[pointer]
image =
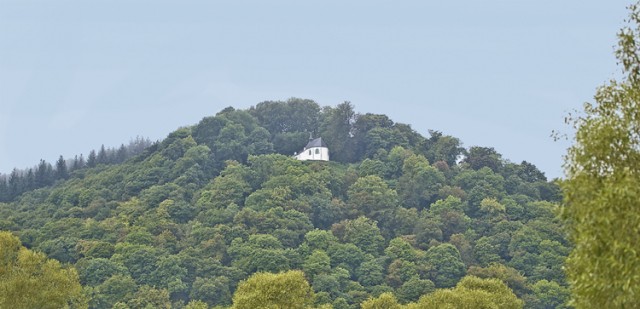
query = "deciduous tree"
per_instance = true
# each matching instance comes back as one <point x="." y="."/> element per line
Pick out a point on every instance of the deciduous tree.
<point x="602" y="190"/>
<point x="29" y="280"/>
<point x="265" y="290"/>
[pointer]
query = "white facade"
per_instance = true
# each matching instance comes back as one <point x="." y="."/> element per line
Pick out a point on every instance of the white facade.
<point x="314" y="153"/>
<point x="315" y="150"/>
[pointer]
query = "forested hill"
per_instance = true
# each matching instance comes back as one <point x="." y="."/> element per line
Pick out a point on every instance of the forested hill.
<point x="393" y="215"/>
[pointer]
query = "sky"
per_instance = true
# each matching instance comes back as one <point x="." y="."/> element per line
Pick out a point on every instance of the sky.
<point x="496" y="73"/>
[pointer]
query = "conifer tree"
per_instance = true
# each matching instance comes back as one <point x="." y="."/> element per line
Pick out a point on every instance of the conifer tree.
<point x="92" y="161"/>
<point x="61" y="168"/>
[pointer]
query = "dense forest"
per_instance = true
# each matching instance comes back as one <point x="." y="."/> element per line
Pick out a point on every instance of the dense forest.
<point x="220" y="210"/>
<point x="44" y="174"/>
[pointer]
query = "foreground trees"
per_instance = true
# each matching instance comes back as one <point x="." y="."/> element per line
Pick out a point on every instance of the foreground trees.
<point x="602" y="192"/>
<point x="30" y="280"/>
<point x="472" y="292"/>
<point x="264" y="290"/>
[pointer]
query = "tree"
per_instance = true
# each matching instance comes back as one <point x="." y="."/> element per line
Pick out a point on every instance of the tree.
<point x="44" y="174"/>
<point x="92" y="161"/>
<point x="94" y="271"/>
<point x="118" y="288"/>
<point x="213" y="291"/>
<point x="337" y="129"/>
<point x="371" y="196"/>
<point x="549" y="294"/>
<point x="447" y="265"/>
<point x="602" y="189"/>
<point x="121" y="154"/>
<point x="196" y="304"/>
<point x="443" y="147"/>
<point x="291" y="116"/>
<point x="384" y="301"/>
<point x="317" y="263"/>
<point x="102" y="156"/>
<point x="419" y="182"/>
<point x="29" y="280"/>
<point x="472" y="292"/>
<point x="265" y="290"/>
<point x="365" y="234"/>
<point x="61" y="169"/>
<point x="370" y="273"/>
<point x="150" y="297"/>
<point x="480" y="157"/>
<point x="413" y="288"/>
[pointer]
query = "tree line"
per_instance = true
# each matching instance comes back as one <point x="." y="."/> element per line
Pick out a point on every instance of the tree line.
<point x="45" y="174"/>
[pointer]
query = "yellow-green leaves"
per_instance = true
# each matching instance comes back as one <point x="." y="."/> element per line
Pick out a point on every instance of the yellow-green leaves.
<point x="602" y="192"/>
<point x="471" y="292"/>
<point x="265" y="290"/>
<point x="29" y="280"/>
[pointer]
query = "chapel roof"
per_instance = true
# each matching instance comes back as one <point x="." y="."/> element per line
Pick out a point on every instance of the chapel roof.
<point x="318" y="142"/>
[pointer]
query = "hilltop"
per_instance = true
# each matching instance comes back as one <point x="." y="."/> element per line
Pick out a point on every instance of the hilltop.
<point x="393" y="211"/>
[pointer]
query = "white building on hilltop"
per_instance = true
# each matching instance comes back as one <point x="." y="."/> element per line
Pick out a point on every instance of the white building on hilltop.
<point x="315" y="150"/>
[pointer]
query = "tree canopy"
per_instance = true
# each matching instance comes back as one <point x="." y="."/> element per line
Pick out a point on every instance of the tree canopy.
<point x="602" y="190"/>
<point x="30" y="280"/>
<point x="220" y="214"/>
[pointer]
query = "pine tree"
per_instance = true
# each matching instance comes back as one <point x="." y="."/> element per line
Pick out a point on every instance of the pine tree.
<point x="44" y="174"/>
<point x="102" y="156"/>
<point x="4" y="189"/>
<point x="81" y="162"/>
<point x="121" y="154"/>
<point x="61" y="169"/>
<point x="15" y="184"/>
<point x="92" y="161"/>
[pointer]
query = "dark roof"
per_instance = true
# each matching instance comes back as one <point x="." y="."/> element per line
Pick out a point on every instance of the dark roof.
<point x="318" y="142"/>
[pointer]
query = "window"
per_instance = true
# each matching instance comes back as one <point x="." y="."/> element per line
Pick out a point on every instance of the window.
<point x="317" y="151"/>
<point x="309" y="151"/>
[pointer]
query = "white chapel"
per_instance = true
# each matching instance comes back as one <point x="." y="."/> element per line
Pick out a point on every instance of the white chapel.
<point x="315" y="150"/>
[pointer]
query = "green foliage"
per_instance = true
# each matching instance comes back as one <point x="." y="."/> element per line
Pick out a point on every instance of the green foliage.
<point x="370" y="196"/>
<point x="384" y="301"/>
<point x="550" y="294"/>
<point x="264" y="290"/>
<point x="510" y="276"/>
<point x="365" y="234"/>
<point x="472" y="292"/>
<point x="447" y="266"/>
<point x="413" y="288"/>
<point x="479" y="157"/>
<point x="29" y="280"/>
<point x="196" y="304"/>
<point x="419" y="183"/>
<point x="602" y="190"/>
<point x="186" y="221"/>
<point x="149" y="297"/>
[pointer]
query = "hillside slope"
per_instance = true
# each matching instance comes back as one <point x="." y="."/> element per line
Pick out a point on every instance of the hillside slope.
<point x="213" y="203"/>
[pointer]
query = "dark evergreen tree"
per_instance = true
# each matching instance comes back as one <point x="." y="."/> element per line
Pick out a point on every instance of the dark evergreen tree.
<point x="92" y="161"/>
<point x="29" y="180"/>
<point x="121" y="154"/>
<point x="61" y="169"/>
<point x="102" y="156"/>
<point x="4" y="189"/>
<point x="15" y="184"/>
<point x="75" y="164"/>
<point x="44" y="174"/>
<point x="81" y="162"/>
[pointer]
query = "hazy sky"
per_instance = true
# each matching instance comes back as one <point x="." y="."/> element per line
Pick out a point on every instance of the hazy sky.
<point x="78" y="74"/>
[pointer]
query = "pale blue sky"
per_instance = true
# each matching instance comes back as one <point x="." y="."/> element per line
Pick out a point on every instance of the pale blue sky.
<point x="78" y="74"/>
